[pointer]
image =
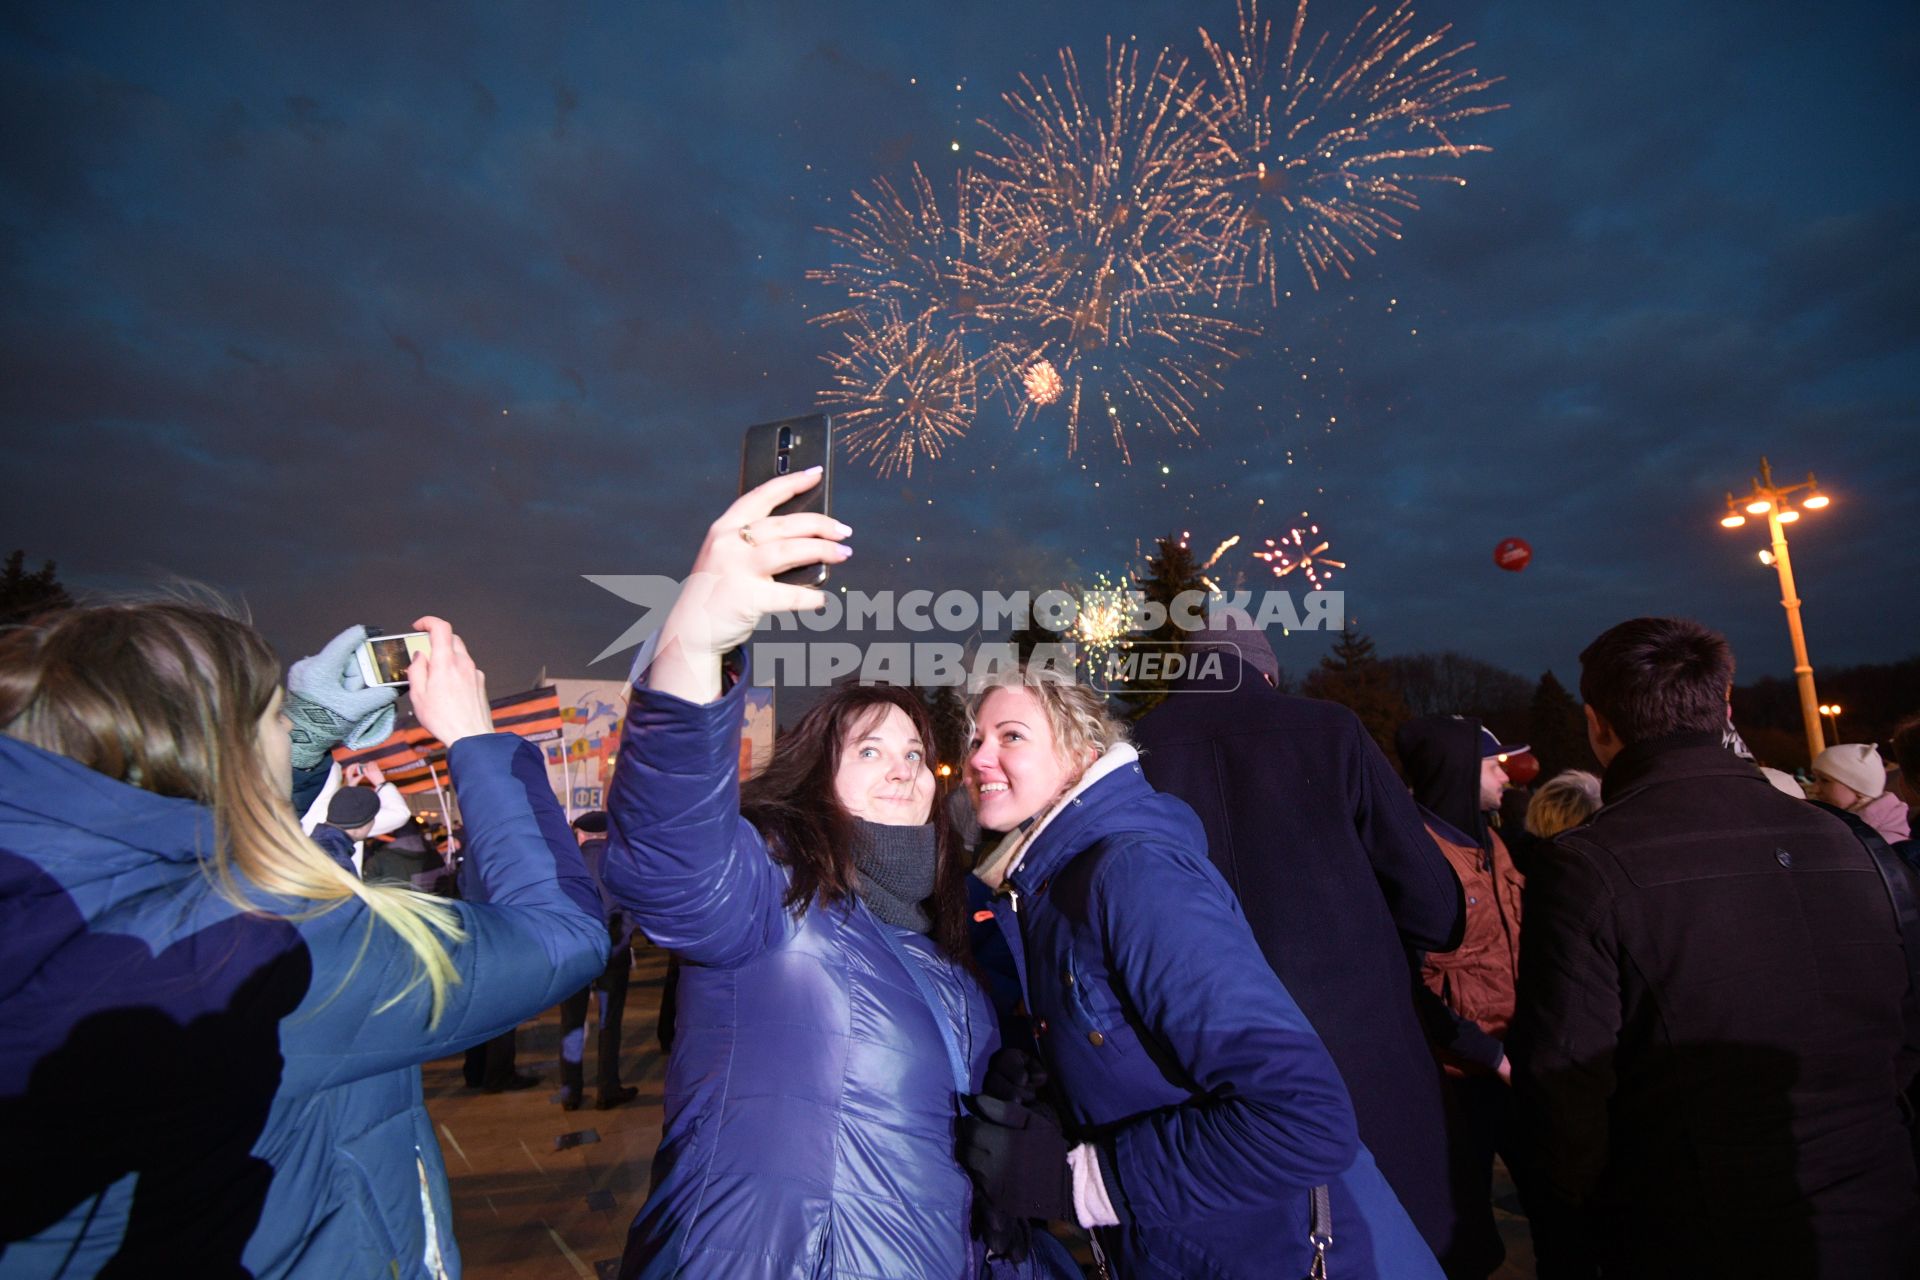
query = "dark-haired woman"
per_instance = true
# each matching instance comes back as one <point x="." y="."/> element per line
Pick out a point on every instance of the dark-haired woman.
<point x="828" y="1021"/>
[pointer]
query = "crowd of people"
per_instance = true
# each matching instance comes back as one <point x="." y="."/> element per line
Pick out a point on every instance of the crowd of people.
<point x="1218" y="993"/>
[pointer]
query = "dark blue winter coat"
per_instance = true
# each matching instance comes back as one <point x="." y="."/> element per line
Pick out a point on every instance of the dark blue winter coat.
<point x="1214" y="1107"/>
<point x="810" y="1101"/>
<point x="190" y="1090"/>
<point x="1339" y="880"/>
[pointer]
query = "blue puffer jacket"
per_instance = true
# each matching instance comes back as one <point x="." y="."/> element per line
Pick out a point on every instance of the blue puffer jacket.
<point x="187" y="1089"/>
<point x="1213" y="1106"/>
<point x="809" y="1101"/>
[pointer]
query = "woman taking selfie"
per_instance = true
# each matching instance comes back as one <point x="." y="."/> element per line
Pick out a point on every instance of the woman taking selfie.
<point x="210" y="1033"/>
<point x="1207" y="1130"/>
<point x="828" y="1021"/>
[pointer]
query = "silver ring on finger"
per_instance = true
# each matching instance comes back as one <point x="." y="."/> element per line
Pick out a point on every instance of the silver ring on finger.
<point x="746" y="535"/>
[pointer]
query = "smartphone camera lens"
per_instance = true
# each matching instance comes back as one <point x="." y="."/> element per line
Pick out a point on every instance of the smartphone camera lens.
<point x="786" y="439"/>
<point x="780" y="465"/>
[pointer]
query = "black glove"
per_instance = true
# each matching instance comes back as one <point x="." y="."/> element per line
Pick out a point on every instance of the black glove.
<point x="1004" y="1235"/>
<point x="1014" y="1075"/>
<point x="1017" y="1157"/>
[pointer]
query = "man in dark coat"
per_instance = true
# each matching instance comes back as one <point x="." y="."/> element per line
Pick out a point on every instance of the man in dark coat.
<point x="1338" y="877"/>
<point x="1715" y="1019"/>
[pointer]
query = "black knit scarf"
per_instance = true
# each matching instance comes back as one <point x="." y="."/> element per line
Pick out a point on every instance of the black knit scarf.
<point x="896" y="866"/>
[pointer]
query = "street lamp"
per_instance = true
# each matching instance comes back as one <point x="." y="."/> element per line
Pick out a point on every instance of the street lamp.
<point x="1831" y="710"/>
<point x="1776" y="503"/>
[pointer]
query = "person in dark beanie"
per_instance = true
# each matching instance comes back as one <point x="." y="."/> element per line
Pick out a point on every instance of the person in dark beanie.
<point x="590" y="829"/>
<point x="1715" y="1020"/>
<point x="350" y="816"/>
<point x="1323" y="847"/>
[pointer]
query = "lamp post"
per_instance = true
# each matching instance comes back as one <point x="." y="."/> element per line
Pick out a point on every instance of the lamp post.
<point x="1775" y="502"/>
<point x="1831" y="710"/>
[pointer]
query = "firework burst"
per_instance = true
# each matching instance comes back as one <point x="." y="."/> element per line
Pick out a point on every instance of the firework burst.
<point x="1101" y="218"/>
<point x="1326" y="142"/>
<point x="906" y="251"/>
<point x="901" y="388"/>
<point x="1103" y="620"/>
<point x="1303" y="551"/>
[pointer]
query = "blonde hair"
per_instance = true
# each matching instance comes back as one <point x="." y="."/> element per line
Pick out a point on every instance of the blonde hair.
<point x="168" y="696"/>
<point x="1077" y="716"/>
<point x="1563" y="802"/>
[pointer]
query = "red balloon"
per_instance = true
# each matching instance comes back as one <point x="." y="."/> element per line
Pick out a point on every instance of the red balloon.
<point x="1522" y="768"/>
<point x="1513" y="554"/>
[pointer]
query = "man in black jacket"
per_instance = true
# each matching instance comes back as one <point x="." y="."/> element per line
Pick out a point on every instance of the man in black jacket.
<point x="1338" y="877"/>
<point x="1714" y="1005"/>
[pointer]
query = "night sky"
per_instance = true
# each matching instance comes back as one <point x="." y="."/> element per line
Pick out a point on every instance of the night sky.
<point x="358" y="311"/>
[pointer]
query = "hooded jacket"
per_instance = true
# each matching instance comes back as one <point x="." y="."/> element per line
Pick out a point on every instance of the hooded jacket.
<point x="1476" y="980"/>
<point x="1212" y="1105"/>
<point x="189" y="1089"/>
<point x="810" y="1101"/>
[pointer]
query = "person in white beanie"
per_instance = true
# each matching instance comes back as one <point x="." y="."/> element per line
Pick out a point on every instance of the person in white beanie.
<point x="1851" y="776"/>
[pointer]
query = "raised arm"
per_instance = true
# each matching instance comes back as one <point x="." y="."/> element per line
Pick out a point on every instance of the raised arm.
<point x="693" y="876"/>
<point x="1275" y="1116"/>
<point x="535" y="936"/>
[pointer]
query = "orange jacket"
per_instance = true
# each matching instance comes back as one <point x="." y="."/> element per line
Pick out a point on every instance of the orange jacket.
<point x="1477" y="980"/>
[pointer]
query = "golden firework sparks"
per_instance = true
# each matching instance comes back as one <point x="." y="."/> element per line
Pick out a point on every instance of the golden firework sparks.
<point x="1042" y="382"/>
<point x="901" y="388"/>
<point x="1104" y="619"/>
<point x="1319" y="144"/>
<point x="1115" y="241"/>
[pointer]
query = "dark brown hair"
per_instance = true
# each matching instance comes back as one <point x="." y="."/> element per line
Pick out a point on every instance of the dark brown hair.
<point x="794" y="805"/>
<point x="1654" y="677"/>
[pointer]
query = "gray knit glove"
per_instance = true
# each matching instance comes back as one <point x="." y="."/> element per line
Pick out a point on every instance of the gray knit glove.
<point x="330" y="703"/>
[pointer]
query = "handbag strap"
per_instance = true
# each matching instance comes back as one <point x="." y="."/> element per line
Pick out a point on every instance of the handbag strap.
<point x="1320" y="1230"/>
<point x="941" y="1018"/>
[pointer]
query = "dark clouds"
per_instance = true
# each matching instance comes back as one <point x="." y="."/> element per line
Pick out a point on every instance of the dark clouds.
<point x="386" y="309"/>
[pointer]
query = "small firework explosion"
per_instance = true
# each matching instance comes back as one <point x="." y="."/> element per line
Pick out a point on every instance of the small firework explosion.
<point x="1105" y="617"/>
<point x="1304" y="550"/>
<point x="1319" y="144"/>
<point x="1042" y="382"/>
<point x="900" y="388"/>
<point x="1205" y="568"/>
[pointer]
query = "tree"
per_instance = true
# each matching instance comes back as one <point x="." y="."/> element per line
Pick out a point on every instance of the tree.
<point x="1441" y="684"/>
<point x="947" y="708"/>
<point x="1557" y="730"/>
<point x="23" y="594"/>
<point x="1171" y="570"/>
<point x="1352" y="675"/>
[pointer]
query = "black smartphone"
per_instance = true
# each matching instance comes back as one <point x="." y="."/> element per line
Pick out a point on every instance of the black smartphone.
<point x="781" y="448"/>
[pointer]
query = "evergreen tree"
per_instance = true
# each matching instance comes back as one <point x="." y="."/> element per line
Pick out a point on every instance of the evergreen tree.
<point x="1354" y="676"/>
<point x="1171" y="570"/>
<point x="23" y="594"/>
<point x="947" y="708"/>
<point x="1557" y="730"/>
<point x="1035" y="633"/>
